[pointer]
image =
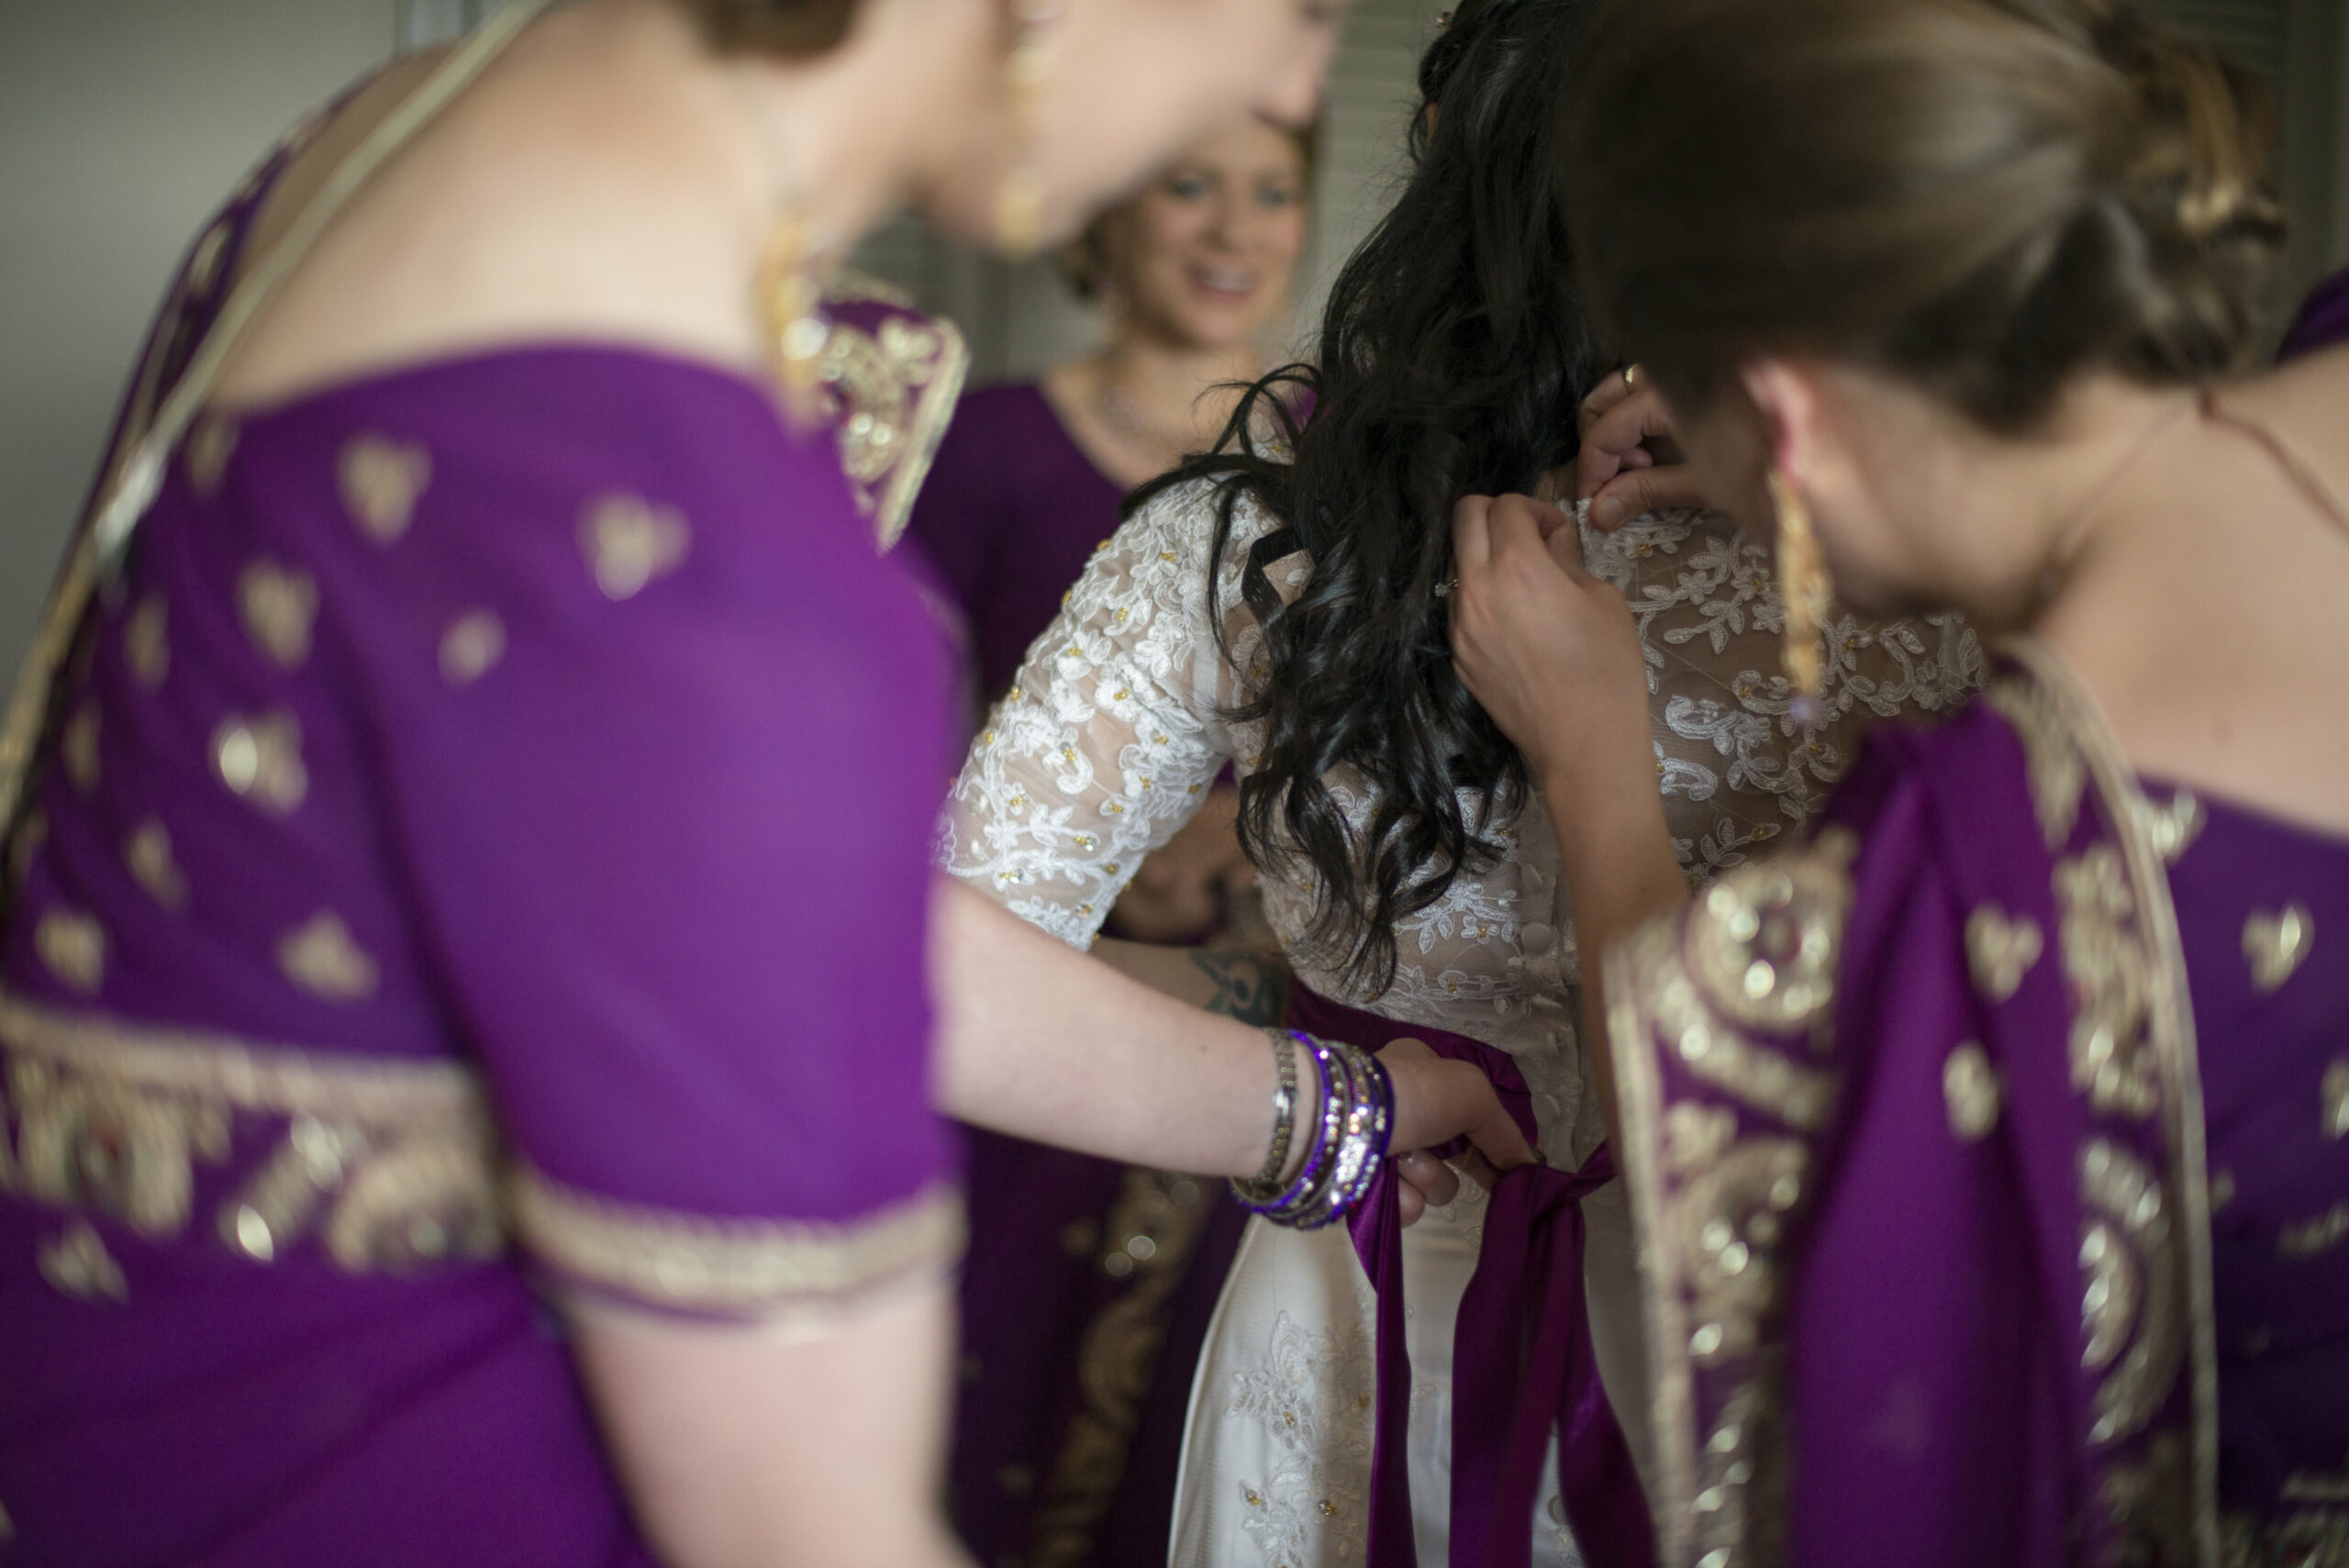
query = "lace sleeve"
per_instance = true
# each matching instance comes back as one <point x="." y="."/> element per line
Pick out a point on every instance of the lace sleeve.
<point x="1112" y="731"/>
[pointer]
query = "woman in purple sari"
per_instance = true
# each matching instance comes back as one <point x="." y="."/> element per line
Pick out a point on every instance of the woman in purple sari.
<point x="1990" y="1154"/>
<point x="1065" y="1336"/>
<point x="469" y="1060"/>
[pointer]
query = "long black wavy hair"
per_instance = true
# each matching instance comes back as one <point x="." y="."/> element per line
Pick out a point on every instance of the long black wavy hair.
<point x="1453" y="356"/>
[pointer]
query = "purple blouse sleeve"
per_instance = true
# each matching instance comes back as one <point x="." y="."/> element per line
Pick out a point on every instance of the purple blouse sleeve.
<point x="664" y="752"/>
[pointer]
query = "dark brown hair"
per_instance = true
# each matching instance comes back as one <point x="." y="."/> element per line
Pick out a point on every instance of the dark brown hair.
<point x="1986" y="197"/>
<point x="1451" y="355"/>
<point x="793" y="28"/>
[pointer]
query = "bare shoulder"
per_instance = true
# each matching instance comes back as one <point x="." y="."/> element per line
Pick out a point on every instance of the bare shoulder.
<point x="2307" y="403"/>
<point x="567" y="194"/>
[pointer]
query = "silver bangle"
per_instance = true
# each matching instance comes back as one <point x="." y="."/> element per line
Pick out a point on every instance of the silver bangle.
<point x="1284" y="1111"/>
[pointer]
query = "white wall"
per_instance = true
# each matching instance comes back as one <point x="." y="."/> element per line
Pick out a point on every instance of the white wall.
<point x="122" y="124"/>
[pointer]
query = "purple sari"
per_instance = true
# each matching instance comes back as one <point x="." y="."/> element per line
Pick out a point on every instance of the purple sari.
<point x="1960" y="1252"/>
<point x="1523" y="1366"/>
<point x="430" y="902"/>
<point x="2324" y="319"/>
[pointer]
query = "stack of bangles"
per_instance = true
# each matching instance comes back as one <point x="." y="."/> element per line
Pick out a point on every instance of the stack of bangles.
<point x="1349" y="1130"/>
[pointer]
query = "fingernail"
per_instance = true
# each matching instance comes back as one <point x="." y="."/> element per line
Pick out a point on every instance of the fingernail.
<point x="1608" y="511"/>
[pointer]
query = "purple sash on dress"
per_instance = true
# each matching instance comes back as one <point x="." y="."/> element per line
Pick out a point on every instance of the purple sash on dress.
<point x="1523" y="1360"/>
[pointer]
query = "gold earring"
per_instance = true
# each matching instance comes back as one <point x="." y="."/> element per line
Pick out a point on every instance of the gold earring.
<point x="1804" y="584"/>
<point x="1019" y="199"/>
<point x="793" y="302"/>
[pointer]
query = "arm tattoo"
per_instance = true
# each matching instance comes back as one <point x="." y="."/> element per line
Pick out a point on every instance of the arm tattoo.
<point x="1248" y="986"/>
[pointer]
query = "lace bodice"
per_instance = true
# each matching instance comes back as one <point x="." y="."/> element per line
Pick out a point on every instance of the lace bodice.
<point x="1115" y="729"/>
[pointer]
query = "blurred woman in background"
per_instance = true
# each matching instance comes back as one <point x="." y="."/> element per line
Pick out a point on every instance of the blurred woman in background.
<point x="1194" y="274"/>
<point x="422" y="893"/>
<point x="1990" y="1151"/>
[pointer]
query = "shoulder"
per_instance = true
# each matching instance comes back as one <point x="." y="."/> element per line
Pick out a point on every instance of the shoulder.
<point x="1185" y="519"/>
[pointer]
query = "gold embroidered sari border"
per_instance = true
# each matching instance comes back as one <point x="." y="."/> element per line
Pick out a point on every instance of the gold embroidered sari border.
<point x="2177" y="1053"/>
<point x="271" y="1078"/>
<point x="1631" y="1030"/>
<point x="736" y="1268"/>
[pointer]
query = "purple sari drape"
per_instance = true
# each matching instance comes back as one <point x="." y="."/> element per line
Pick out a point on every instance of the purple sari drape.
<point x="444" y="890"/>
<point x="1522" y="1361"/>
<point x="1916" y="1130"/>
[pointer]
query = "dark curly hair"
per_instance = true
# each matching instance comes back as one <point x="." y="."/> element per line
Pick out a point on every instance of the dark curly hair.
<point x="1451" y="358"/>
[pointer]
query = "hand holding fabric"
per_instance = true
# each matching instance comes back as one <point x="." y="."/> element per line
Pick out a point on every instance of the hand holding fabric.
<point x="1550" y="650"/>
<point x="1629" y="465"/>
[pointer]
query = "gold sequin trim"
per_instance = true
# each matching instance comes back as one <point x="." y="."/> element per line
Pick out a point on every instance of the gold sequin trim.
<point x="2310" y="1237"/>
<point x="146" y="641"/>
<point x="2001" y="949"/>
<point x="2172" y="829"/>
<point x="279" y="604"/>
<point x="2114" y="1061"/>
<point x="260" y="760"/>
<point x="324" y="959"/>
<point x="740" y="1268"/>
<point x="392" y="1165"/>
<point x="382" y="480"/>
<point x="2303" y="1538"/>
<point x="210" y="445"/>
<point x="1762" y="942"/>
<point x="79" y="748"/>
<point x="1970" y="1086"/>
<point x="893" y="391"/>
<point x="2274" y="943"/>
<point x="73" y="946"/>
<point x="2058" y="772"/>
<point x="472" y="647"/>
<point x="148" y="855"/>
<point x="2134" y="1297"/>
<point x="77" y="1263"/>
<point x="628" y="543"/>
<point x="1713" y="1196"/>
<point x="203" y="264"/>
<point x="1152" y="1231"/>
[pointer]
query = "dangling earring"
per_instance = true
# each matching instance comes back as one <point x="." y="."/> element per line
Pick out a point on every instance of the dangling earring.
<point x="792" y="301"/>
<point x="1804" y="584"/>
<point x="1019" y="200"/>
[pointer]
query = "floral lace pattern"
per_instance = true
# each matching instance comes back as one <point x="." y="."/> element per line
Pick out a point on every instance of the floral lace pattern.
<point x="1312" y="1394"/>
<point x="1735" y="768"/>
<point x="1115" y="728"/>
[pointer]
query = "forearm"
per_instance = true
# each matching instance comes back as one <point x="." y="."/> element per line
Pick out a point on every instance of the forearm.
<point x="1615" y="853"/>
<point x="1037" y="1040"/>
<point x="1233" y="982"/>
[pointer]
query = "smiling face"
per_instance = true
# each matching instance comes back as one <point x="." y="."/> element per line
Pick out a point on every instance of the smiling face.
<point x="1125" y="83"/>
<point x="1203" y="256"/>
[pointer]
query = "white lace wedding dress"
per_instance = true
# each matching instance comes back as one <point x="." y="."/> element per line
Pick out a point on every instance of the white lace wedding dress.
<point x="1105" y="746"/>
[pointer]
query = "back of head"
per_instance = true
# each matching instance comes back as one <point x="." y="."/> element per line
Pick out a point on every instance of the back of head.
<point x="1986" y="197"/>
<point x="1452" y="357"/>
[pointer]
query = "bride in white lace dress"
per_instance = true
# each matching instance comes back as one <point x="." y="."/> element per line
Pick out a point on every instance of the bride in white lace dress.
<point x="1157" y="673"/>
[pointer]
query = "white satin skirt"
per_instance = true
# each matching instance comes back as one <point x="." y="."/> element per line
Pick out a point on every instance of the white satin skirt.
<point x="1275" y="1465"/>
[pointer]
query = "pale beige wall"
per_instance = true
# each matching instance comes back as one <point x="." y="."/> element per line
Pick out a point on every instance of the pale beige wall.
<point x="122" y="123"/>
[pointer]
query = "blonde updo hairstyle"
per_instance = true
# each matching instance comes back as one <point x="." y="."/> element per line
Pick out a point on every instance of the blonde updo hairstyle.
<point x="1986" y="197"/>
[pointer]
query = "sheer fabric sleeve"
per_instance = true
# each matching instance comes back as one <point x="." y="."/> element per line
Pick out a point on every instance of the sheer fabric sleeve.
<point x="662" y="752"/>
<point x="1113" y="730"/>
